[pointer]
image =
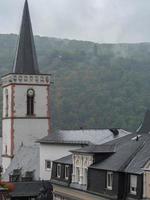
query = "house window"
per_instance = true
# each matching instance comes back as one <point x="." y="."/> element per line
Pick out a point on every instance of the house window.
<point x="109" y="180"/>
<point x="133" y="184"/>
<point x="48" y="164"/>
<point x="30" y="102"/>
<point x="77" y="174"/>
<point x="85" y="176"/>
<point x="66" y="172"/>
<point x="58" y="170"/>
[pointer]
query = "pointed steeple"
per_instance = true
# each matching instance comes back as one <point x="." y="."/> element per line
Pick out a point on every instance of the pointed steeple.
<point x="26" y="59"/>
<point x="145" y="126"/>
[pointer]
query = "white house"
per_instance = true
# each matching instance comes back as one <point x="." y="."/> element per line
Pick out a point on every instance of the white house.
<point x="59" y="144"/>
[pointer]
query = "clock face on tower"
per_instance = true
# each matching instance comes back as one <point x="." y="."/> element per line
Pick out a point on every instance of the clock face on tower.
<point x="30" y="92"/>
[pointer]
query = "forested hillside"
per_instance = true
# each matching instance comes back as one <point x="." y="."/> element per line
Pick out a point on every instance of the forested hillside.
<point x="95" y="85"/>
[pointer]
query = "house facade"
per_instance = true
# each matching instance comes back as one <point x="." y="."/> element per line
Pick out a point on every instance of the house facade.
<point x="118" y="169"/>
<point x="59" y="144"/>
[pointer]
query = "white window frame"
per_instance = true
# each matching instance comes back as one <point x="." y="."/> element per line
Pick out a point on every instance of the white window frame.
<point x="85" y="177"/>
<point x="109" y="180"/>
<point x="133" y="184"/>
<point x="66" y="173"/>
<point x="58" y="166"/>
<point x="48" y="168"/>
<point x="77" y="174"/>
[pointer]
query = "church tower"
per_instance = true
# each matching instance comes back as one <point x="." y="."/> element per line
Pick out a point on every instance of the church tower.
<point x="26" y="97"/>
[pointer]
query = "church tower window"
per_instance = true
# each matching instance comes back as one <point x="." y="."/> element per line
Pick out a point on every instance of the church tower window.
<point x="6" y="108"/>
<point x="30" y="102"/>
<point x="6" y="149"/>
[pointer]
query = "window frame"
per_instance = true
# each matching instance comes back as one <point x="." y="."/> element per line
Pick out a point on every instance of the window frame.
<point x="57" y="174"/>
<point x="134" y="192"/>
<point x="67" y="173"/>
<point x="48" y="168"/>
<point x="77" y="174"/>
<point x="109" y="180"/>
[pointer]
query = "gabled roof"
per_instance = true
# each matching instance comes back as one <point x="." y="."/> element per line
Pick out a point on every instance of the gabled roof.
<point x="26" y="59"/>
<point x="26" y="159"/>
<point x="145" y="126"/>
<point x="131" y="155"/>
<point x="65" y="160"/>
<point x="139" y="161"/>
<point x="79" y="137"/>
<point x="96" y="149"/>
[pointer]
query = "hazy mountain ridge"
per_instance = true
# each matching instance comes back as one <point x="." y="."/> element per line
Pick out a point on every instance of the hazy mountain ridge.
<point x="96" y="85"/>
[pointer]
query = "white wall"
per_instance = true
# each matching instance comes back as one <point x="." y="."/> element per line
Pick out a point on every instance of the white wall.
<point x="6" y="129"/>
<point x="28" y="131"/>
<point x="53" y="152"/>
<point x="25" y="129"/>
<point x="6" y="137"/>
<point x="9" y="90"/>
<point x="5" y="163"/>
<point x="41" y="100"/>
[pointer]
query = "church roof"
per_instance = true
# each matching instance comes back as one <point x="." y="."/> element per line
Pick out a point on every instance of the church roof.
<point x="79" y="137"/>
<point x="26" y="159"/>
<point x="26" y="59"/>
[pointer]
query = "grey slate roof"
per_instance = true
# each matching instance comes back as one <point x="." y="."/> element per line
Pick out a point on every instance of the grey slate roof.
<point x="99" y="136"/>
<point x="28" y="189"/>
<point x="26" y="59"/>
<point x="65" y="160"/>
<point x="141" y="158"/>
<point x="131" y="155"/>
<point x="26" y="159"/>
<point x="96" y="149"/>
<point x="145" y="126"/>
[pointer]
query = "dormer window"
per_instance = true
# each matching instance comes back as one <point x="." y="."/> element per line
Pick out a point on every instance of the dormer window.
<point x="30" y="102"/>
<point x="109" y="180"/>
<point x="133" y="184"/>
<point x="58" y="170"/>
<point x="66" y="172"/>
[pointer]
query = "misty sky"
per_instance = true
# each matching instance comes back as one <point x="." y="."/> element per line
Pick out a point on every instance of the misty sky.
<point x="93" y="20"/>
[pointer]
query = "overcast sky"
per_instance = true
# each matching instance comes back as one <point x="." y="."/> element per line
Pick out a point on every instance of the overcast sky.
<point x="93" y="20"/>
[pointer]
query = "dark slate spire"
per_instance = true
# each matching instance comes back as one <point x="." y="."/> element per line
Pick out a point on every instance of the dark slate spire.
<point x="145" y="126"/>
<point x="26" y="59"/>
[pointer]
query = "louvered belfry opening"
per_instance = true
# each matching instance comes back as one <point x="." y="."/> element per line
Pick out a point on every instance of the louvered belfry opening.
<point x="30" y="105"/>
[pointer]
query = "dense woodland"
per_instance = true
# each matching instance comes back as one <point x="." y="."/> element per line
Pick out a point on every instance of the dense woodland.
<point x="95" y="85"/>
